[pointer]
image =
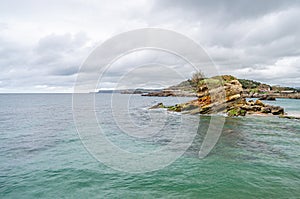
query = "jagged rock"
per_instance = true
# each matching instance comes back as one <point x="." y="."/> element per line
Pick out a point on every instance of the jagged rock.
<point x="277" y="110"/>
<point x="176" y="108"/>
<point x="159" y="105"/>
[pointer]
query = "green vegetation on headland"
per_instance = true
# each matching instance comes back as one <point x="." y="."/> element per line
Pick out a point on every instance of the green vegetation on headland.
<point x="267" y="92"/>
<point x="250" y="84"/>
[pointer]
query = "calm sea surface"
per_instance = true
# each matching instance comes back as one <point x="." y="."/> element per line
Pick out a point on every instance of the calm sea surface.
<point x="42" y="156"/>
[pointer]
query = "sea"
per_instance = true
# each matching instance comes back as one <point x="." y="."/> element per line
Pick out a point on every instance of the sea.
<point x="43" y="154"/>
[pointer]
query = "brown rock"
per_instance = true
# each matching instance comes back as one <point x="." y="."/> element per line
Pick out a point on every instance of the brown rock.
<point x="205" y="100"/>
<point x="259" y="103"/>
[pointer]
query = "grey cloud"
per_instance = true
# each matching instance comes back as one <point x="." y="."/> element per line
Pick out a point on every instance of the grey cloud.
<point x="66" y="71"/>
<point x="249" y="39"/>
<point x="62" y="54"/>
<point x="52" y="62"/>
<point x="226" y="11"/>
<point x="61" y="43"/>
<point x="151" y="66"/>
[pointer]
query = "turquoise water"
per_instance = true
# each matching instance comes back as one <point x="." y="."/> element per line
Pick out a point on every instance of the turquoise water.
<point x="41" y="155"/>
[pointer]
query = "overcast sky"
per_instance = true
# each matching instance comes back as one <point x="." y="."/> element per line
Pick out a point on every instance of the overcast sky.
<point x="43" y="43"/>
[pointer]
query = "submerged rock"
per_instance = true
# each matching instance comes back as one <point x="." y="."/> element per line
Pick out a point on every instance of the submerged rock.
<point x="289" y="117"/>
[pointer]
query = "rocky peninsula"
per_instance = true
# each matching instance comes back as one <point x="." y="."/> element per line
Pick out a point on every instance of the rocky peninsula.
<point x="219" y="94"/>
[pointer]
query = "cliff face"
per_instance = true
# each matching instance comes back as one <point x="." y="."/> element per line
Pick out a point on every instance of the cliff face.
<point x="222" y="94"/>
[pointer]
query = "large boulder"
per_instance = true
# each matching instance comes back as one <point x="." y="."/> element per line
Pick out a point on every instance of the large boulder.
<point x="259" y="103"/>
<point x="277" y="110"/>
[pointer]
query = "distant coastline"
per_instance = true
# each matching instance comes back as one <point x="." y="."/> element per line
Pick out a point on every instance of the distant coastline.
<point x="130" y="91"/>
<point x="251" y="89"/>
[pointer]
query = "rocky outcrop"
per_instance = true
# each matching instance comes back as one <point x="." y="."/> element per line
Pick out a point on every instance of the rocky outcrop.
<point x="222" y="94"/>
<point x="159" y="105"/>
